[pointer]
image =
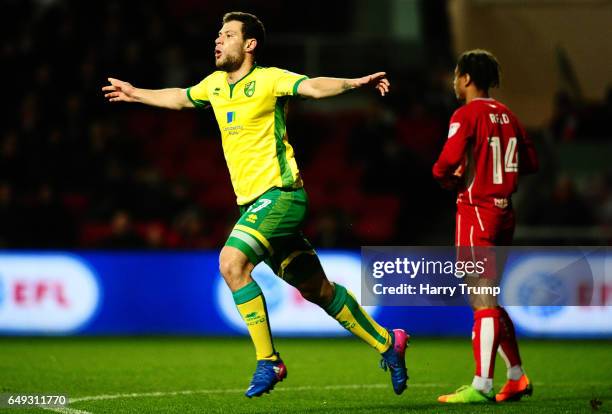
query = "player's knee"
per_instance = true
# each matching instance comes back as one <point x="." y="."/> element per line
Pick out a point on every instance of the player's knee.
<point x="230" y="269"/>
<point x="234" y="270"/>
<point x="311" y="294"/>
<point x="227" y="268"/>
<point x="318" y="290"/>
<point x="306" y="275"/>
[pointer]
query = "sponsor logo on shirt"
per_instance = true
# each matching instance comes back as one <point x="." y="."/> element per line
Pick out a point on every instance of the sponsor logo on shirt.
<point x="501" y="202"/>
<point x="233" y="130"/>
<point x="231" y="117"/>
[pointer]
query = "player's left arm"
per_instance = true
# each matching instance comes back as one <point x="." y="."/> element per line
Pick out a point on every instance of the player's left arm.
<point x="449" y="168"/>
<point x="323" y="87"/>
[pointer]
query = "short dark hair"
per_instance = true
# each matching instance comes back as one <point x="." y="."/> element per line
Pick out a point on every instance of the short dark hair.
<point x="252" y="27"/>
<point x="482" y="66"/>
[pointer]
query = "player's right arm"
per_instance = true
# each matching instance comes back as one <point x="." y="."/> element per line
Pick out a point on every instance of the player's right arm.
<point x="448" y="169"/>
<point x="170" y="98"/>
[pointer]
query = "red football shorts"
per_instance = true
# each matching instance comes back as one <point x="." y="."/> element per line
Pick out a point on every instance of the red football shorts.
<point x="478" y="230"/>
<point x="483" y="227"/>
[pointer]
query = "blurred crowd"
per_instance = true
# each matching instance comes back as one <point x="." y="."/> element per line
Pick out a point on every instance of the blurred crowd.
<point x="77" y="172"/>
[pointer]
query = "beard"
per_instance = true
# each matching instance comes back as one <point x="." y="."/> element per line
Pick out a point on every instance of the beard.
<point x="231" y="63"/>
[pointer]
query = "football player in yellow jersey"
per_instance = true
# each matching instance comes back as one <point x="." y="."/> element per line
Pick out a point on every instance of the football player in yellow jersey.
<point x="249" y="103"/>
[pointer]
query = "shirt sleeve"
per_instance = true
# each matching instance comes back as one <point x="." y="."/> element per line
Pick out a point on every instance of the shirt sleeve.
<point x="286" y="83"/>
<point x="198" y="94"/>
<point x="460" y="131"/>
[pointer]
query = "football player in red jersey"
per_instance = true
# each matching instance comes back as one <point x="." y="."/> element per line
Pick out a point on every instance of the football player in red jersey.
<point x="486" y="151"/>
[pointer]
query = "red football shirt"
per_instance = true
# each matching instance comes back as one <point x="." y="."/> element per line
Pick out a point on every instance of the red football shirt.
<point x="489" y="142"/>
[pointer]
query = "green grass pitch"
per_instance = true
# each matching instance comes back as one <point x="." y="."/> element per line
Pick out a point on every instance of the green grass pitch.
<point x="204" y="375"/>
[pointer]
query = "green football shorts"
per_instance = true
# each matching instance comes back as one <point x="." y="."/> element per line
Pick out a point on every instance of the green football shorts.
<point x="270" y="229"/>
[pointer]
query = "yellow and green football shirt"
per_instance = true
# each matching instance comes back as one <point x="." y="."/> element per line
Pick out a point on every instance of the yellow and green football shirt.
<point x="251" y="115"/>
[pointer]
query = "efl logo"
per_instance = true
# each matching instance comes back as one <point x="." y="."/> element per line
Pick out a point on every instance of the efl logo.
<point x="26" y="293"/>
<point x="288" y="311"/>
<point x="560" y="294"/>
<point x="52" y="294"/>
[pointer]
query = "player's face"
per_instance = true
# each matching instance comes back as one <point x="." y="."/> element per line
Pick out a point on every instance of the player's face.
<point x="230" y="47"/>
<point x="459" y="82"/>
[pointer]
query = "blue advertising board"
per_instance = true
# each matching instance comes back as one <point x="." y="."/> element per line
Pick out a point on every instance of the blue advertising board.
<point x="182" y="293"/>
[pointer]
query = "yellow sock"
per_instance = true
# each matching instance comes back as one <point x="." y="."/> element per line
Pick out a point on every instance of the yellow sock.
<point x="252" y="307"/>
<point x="345" y="309"/>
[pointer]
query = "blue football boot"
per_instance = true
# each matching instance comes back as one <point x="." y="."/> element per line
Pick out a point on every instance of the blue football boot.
<point x="394" y="359"/>
<point x="267" y="374"/>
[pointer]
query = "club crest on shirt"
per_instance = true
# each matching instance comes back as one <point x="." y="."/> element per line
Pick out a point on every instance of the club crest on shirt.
<point x="453" y="128"/>
<point x="249" y="89"/>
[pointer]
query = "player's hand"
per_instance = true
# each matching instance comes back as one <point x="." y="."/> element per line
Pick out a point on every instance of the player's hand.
<point x="450" y="183"/>
<point x="459" y="171"/>
<point x="119" y="91"/>
<point x="378" y="80"/>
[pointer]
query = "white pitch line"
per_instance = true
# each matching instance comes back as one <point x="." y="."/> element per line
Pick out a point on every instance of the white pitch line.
<point x="65" y="410"/>
<point x="102" y="397"/>
<point x="153" y="394"/>
<point x="238" y="390"/>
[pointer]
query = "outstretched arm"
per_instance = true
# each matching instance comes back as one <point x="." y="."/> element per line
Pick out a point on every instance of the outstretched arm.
<point x="325" y="87"/>
<point x="171" y="98"/>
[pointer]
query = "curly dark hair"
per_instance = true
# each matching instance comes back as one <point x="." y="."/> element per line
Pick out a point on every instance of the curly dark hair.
<point x="482" y="66"/>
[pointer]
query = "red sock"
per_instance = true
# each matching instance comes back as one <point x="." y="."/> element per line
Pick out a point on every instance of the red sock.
<point x="508" y="346"/>
<point x="485" y="340"/>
